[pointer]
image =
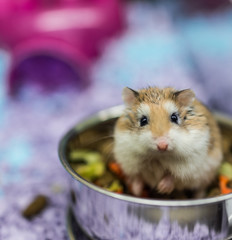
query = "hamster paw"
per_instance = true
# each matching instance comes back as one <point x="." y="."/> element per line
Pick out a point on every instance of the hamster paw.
<point x="166" y="185"/>
<point x="136" y="186"/>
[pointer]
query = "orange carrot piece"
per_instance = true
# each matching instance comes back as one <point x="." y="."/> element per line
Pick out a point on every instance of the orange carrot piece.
<point x="223" y="180"/>
<point x="116" y="169"/>
<point x="120" y="191"/>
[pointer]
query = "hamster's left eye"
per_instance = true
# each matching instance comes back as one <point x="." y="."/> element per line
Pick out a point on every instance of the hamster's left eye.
<point x="143" y="121"/>
<point x="174" y="118"/>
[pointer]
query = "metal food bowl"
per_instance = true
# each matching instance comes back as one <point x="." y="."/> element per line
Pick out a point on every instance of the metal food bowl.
<point x="105" y="215"/>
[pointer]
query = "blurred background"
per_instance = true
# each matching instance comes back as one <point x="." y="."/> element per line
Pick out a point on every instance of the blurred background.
<point x="63" y="60"/>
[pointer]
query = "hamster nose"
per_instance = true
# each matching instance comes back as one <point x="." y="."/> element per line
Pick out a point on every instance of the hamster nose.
<point x="162" y="146"/>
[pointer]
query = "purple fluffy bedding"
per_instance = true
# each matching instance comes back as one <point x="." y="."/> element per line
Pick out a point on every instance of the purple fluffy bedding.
<point x="156" y="50"/>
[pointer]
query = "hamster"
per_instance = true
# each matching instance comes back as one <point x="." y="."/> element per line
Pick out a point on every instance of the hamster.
<point x="167" y="139"/>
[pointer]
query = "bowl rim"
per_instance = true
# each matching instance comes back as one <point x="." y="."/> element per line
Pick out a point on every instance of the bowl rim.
<point x="112" y="113"/>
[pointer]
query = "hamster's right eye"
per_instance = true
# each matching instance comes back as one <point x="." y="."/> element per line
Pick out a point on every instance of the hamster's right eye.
<point x="143" y="121"/>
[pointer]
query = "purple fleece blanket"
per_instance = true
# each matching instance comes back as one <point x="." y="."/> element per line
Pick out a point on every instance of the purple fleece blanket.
<point x="154" y="50"/>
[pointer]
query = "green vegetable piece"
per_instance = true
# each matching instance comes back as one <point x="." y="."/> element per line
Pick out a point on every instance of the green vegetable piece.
<point x="75" y="155"/>
<point x="85" y="155"/>
<point x="91" y="171"/>
<point x="115" y="186"/>
<point x="226" y="170"/>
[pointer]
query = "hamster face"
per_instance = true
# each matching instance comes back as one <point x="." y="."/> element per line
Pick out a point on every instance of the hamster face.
<point x="167" y="133"/>
<point x="160" y="124"/>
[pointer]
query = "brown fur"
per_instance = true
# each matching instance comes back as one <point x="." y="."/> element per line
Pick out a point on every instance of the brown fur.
<point x="198" y="116"/>
<point x="193" y="114"/>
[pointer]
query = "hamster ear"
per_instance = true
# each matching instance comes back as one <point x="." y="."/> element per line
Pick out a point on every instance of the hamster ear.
<point x="129" y="96"/>
<point x="185" y="97"/>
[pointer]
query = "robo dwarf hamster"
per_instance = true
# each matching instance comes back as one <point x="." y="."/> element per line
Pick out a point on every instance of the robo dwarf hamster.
<point x="167" y="139"/>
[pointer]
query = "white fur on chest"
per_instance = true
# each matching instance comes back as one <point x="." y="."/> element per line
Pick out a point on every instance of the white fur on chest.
<point x="188" y="161"/>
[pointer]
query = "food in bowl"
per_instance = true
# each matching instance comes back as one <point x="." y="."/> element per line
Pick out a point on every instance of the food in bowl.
<point x="97" y="165"/>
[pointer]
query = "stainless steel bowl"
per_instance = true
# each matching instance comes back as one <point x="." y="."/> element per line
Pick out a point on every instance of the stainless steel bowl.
<point x="107" y="215"/>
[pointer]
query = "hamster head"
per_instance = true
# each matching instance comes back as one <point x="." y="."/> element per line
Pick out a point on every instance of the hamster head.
<point x="161" y="122"/>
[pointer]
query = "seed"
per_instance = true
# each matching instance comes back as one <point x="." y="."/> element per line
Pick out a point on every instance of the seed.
<point x="38" y="204"/>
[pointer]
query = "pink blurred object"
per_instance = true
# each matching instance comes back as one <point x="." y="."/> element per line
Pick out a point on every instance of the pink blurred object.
<point x="72" y="31"/>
